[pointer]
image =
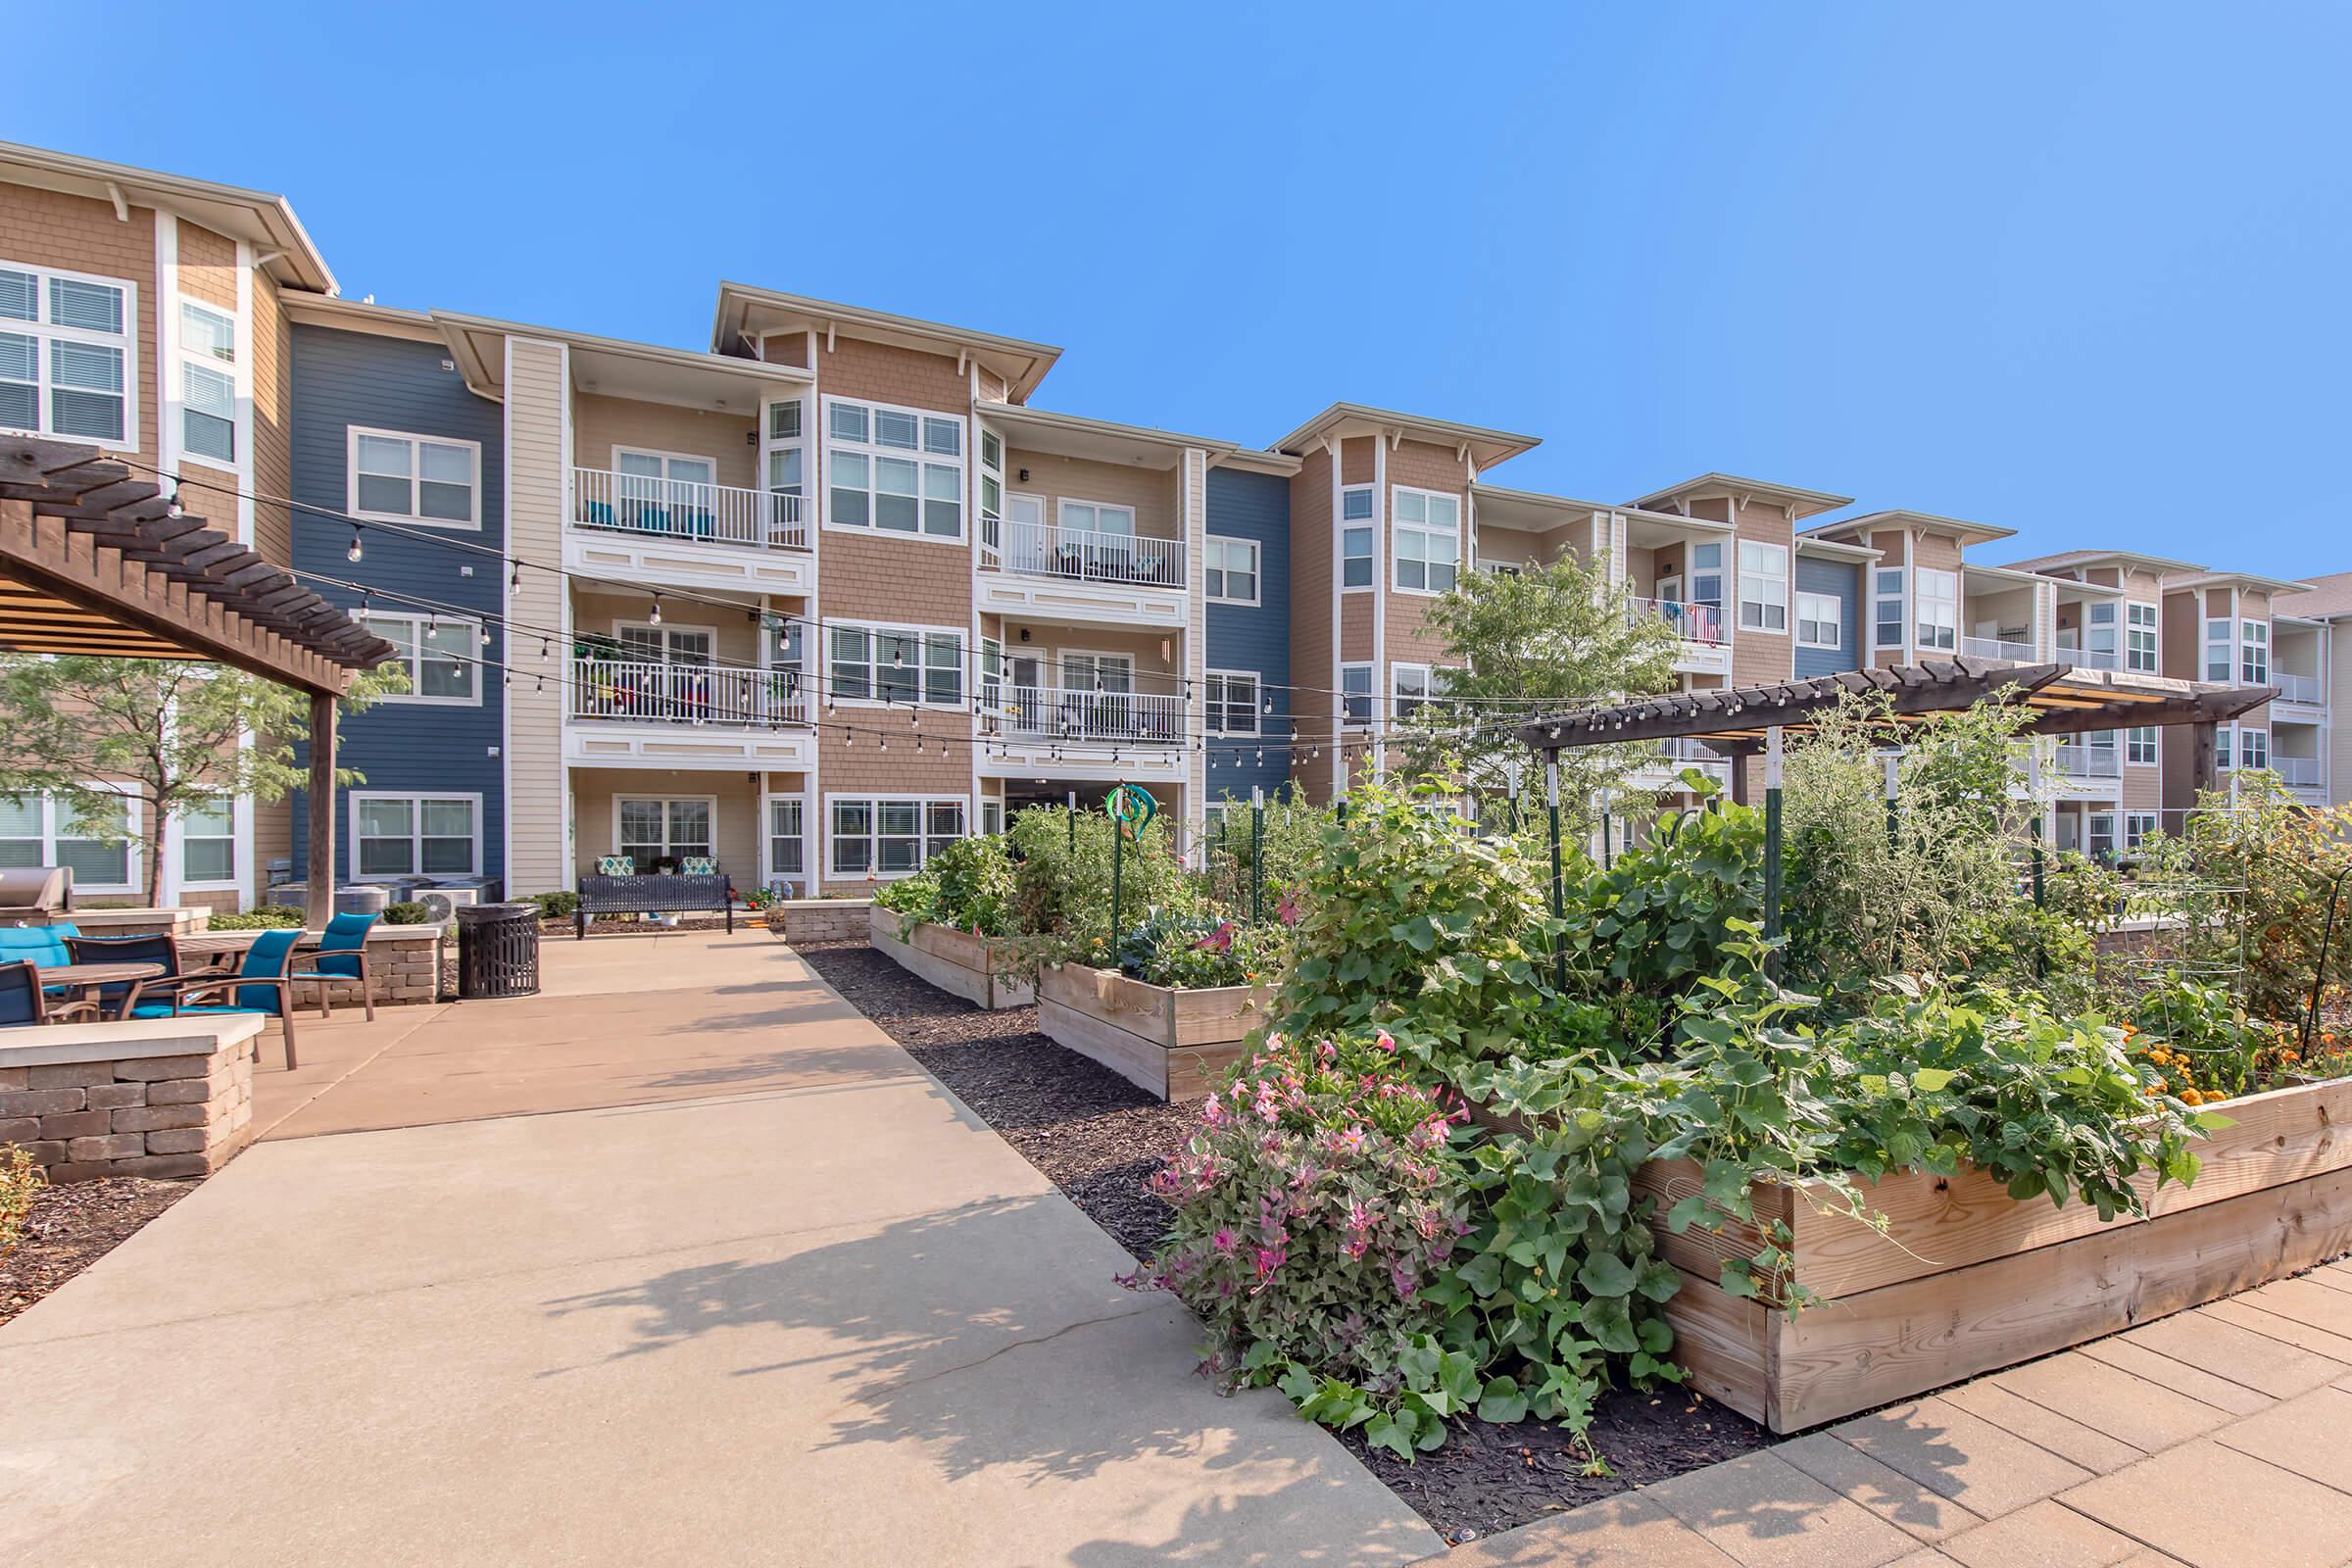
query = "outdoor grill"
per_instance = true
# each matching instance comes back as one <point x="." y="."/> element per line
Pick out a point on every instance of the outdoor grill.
<point x="30" y="889"/>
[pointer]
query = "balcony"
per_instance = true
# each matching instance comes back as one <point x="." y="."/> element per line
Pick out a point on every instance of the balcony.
<point x="1064" y="714"/>
<point x="1047" y="569"/>
<point x="1702" y="648"/>
<point x="2299" y="772"/>
<point x="630" y="713"/>
<point x="2002" y="648"/>
<point x="2089" y="761"/>
<point x="2300" y="688"/>
<point x="2090" y="659"/>
<point x="636" y="528"/>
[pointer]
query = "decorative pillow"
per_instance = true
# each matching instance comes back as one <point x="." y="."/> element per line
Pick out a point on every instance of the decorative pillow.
<point x="698" y="865"/>
<point x="616" y="866"/>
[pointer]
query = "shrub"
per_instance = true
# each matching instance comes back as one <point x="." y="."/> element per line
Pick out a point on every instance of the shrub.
<point x="560" y="906"/>
<point x="20" y="1179"/>
<point x="1196" y="952"/>
<point x="2252" y="878"/>
<point x="407" y="912"/>
<point x="2198" y="1043"/>
<point x="261" y="917"/>
<point x="1061" y="896"/>
<point x="966" y="885"/>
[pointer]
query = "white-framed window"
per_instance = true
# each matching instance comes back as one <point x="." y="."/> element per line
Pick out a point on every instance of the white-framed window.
<point x="894" y="470"/>
<point x="2254" y="651"/>
<point x="417" y="480"/>
<point x="1355" y="695"/>
<point x="2138" y="826"/>
<point x="869" y="665"/>
<point x="992" y="818"/>
<point x="2253" y="747"/>
<point x="2139" y="745"/>
<point x="1231" y="571"/>
<point x="1502" y="568"/>
<point x="43" y="830"/>
<point x="1763" y="586"/>
<point x="1820" y="622"/>
<point x="787" y="838"/>
<point x="442" y="657"/>
<point x="2221" y="637"/>
<point x="1706" y="573"/>
<point x="1095" y="517"/>
<point x="1232" y="705"/>
<point x="787" y="452"/>
<point x="1412" y="686"/>
<point x="1938" y="593"/>
<point x="394" y="835"/>
<point x="1892" y="616"/>
<point x="887" y="836"/>
<point x="69" y="355"/>
<point x="2101" y="629"/>
<point x="208" y="382"/>
<point x="649" y="829"/>
<point x="2100" y="841"/>
<point x="642" y="642"/>
<point x="1428" y="540"/>
<point x="208" y="842"/>
<point x="1355" y="536"/>
<point x="2140" y="639"/>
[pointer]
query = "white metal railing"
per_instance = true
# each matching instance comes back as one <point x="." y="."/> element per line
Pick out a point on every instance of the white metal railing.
<point x="2089" y="657"/>
<point x="641" y="691"/>
<point x="680" y="508"/>
<point x="1080" y="555"/>
<point x="1691" y="621"/>
<point x="2302" y="771"/>
<point x="1685" y="753"/>
<point x="2298" y="688"/>
<point x="1064" y="714"/>
<point x="2090" y="761"/>
<point x="1998" y="647"/>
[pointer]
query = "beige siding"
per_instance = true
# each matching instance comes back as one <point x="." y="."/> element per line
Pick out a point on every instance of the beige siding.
<point x="208" y="267"/>
<point x="908" y="377"/>
<point x="735" y="825"/>
<point x="47" y="228"/>
<point x="273" y="419"/>
<point x="602" y="423"/>
<point x="1417" y="466"/>
<point x="1151" y="492"/>
<point x="538" y="376"/>
<point x="734" y="636"/>
<point x="1758" y="657"/>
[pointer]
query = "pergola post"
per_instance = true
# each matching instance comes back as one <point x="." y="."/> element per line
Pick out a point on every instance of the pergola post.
<point x="2203" y="771"/>
<point x="322" y="811"/>
<point x="1740" y="780"/>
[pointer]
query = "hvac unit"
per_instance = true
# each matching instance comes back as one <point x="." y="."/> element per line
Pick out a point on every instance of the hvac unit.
<point x="441" y="903"/>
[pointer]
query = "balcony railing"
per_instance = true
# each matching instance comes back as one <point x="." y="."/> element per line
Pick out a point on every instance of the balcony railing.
<point x="1062" y="714"/>
<point x="2089" y="657"/>
<point x="1080" y="555"/>
<point x="1998" y="647"/>
<point x="2301" y="772"/>
<point x="1692" y="621"/>
<point x="2090" y="761"/>
<point x="643" y="692"/>
<point x="2299" y="688"/>
<point x="680" y="508"/>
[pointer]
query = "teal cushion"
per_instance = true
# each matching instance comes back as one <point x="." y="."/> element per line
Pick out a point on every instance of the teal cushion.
<point x="45" y="945"/>
<point x="616" y="866"/>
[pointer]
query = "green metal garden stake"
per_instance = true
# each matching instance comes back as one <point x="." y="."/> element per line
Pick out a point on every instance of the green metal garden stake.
<point x="1073" y="824"/>
<point x="1119" y="862"/>
<point x="1772" y="834"/>
<point x="1258" y="844"/>
<point x="1559" y="884"/>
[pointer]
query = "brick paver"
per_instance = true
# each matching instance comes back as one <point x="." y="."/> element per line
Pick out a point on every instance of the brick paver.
<point x="1763" y="1512"/>
<point x="2047" y="1535"/>
<point x="2131" y="1409"/>
<point x="2214" y="1508"/>
<point x="2307" y="1434"/>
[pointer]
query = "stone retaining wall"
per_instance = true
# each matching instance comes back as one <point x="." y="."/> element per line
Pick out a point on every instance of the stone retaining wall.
<point x="820" y="919"/>
<point x="404" y="961"/>
<point x="155" y="1097"/>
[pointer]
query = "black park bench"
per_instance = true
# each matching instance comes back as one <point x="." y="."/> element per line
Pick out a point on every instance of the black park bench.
<point x="656" y="894"/>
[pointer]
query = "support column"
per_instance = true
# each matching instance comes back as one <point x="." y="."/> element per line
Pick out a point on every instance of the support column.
<point x="2204" y="773"/>
<point x="1772" y="833"/>
<point x="321" y="852"/>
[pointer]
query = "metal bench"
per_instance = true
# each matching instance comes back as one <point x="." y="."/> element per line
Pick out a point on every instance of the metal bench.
<point x="652" y="895"/>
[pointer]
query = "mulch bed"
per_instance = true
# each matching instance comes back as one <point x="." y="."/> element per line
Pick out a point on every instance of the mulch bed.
<point x="1099" y="1137"/>
<point x="74" y="1226"/>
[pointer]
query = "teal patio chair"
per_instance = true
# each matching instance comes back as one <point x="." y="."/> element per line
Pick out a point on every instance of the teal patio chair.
<point x="342" y="959"/>
<point x="43" y="946"/>
<point x="260" y="985"/>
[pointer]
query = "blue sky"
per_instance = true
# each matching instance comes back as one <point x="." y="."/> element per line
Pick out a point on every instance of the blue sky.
<point x="2076" y="269"/>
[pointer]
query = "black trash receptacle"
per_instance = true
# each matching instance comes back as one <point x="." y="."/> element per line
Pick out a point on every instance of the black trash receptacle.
<point x="498" y="949"/>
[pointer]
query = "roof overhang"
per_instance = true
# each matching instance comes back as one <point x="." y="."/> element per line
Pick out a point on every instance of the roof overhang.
<point x="1066" y="435"/>
<point x="2082" y="560"/>
<point x="1531" y="511"/>
<point x="613" y="368"/>
<point x="1808" y="543"/>
<point x="2237" y="579"/>
<point x="749" y="312"/>
<point x="1484" y="448"/>
<point x="264" y="219"/>
<point x="1799" y="502"/>
<point x="1900" y="518"/>
<point x="355" y="316"/>
<point x="1252" y="460"/>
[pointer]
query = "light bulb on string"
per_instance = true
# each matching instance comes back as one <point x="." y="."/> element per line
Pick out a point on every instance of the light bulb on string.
<point x="652" y="616"/>
<point x="355" y="552"/>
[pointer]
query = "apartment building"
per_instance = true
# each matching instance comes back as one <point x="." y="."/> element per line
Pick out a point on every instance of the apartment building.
<point x="827" y="591"/>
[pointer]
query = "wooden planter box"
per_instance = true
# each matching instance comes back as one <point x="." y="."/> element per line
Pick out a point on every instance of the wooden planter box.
<point x="956" y="961"/>
<point x="1175" y="1044"/>
<point x="1969" y="1280"/>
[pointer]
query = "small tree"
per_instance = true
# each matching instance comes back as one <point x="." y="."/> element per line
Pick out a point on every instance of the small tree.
<point x="1546" y="640"/>
<point x="168" y="734"/>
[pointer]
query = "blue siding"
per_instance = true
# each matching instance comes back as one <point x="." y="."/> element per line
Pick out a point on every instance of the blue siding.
<point x="343" y="379"/>
<point x="1253" y="505"/>
<point x="1843" y="578"/>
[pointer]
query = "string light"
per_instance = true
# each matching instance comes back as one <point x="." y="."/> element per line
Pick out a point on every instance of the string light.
<point x="652" y="616"/>
<point x="355" y="552"/>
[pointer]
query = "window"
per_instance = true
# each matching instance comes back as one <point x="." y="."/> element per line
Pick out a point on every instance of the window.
<point x="2101" y="842"/>
<point x="440" y="656"/>
<point x="2140" y="639"/>
<point x="2138" y="826"/>
<point x="208" y="382"/>
<point x="42" y="830"/>
<point x="416" y="835"/>
<point x="416" y="480"/>
<point x="1355" y="537"/>
<point x="1428" y="540"/>
<point x="1232" y="571"/>
<point x="2254" y="651"/>
<point x="896" y="665"/>
<point x="1502" y="568"/>
<point x="67" y="355"/>
<point x="1763" y="587"/>
<point x="2099" y="634"/>
<point x="2253" y="747"/>
<point x="897" y="470"/>
<point x="1892" y="616"/>
<point x="2221" y="659"/>
<point x="1939" y="609"/>
<point x="1412" y="686"/>
<point x="1820" y="620"/>
<point x="992" y="817"/>
<point x="1706" y="575"/>
<point x="1095" y="517"/>
<point x="2139" y="745"/>
<point x="1232" y="706"/>
<point x="208" y="842"/>
<point x="650" y="830"/>
<point x="1355" y="693"/>
<point x="787" y="840"/>
<point x="890" y="836"/>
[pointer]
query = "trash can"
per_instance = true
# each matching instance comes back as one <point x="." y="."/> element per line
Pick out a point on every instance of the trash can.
<point x="498" y="951"/>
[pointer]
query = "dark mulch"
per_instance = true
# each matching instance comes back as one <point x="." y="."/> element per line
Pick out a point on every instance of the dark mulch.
<point x="1099" y="1137"/>
<point x="74" y="1226"/>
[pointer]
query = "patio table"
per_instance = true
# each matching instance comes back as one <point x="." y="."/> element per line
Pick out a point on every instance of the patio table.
<point x="83" y="979"/>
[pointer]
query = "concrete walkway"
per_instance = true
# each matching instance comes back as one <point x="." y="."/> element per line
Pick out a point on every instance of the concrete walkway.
<point x="682" y="1262"/>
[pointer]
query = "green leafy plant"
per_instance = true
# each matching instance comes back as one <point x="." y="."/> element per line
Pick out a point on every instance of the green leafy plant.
<point x="261" y="917"/>
<point x="1198" y="952"/>
<point x="1061" y="910"/>
<point x="407" y="912"/>
<point x="20" y="1179"/>
<point x="560" y="906"/>
<point x="966" y="885"/>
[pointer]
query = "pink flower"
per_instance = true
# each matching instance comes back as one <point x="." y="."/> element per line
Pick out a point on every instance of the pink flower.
<point x="1270" y="1258"/>
<point x="1223" y="1240"/>
<point x="1385" y="1042"/>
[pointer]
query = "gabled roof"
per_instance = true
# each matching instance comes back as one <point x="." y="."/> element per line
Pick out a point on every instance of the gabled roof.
<point x="1813" y="544"/>
<point x="2235" y="579"/>
<point x="2321" y="599"/>
<point x="648" y="372"/>
<point x="2067" y="560"/>
<point x="1099" y="440"/>
<point x="1968" y="534"/>
<point x="263" y="219"/>
<point x="1800" y="502"/>
<point x="746" y="310"/>
<point x="1486" y="447"/>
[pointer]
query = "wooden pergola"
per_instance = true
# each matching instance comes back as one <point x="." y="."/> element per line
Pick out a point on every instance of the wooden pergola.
<point x="94" y="561"/>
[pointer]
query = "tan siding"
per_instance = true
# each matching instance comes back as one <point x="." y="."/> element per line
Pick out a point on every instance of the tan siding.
<point x="82" y="235"/>
<point x="1356" y="461"/>
<point x="1417" y="466"/>
<point x="735" y="826"/>
<point x="537" y="856"/>
<point x="1758" y="657"/>
<point x="599" y="423"/>
<point x="1151" y="492"/>
<point x="888" y="374"/>
<point x="785" y="348"/>
<point x="273" y="419"/>
<point x="1356" y="627"/>
<point x="1641" y="569"/>
<point x="895" y="578"/>
<point x="1312" y="548"/>
<point x="273" y="840"/>
<point x="735" y="639"/>
<point x="1154" y="672"/>
<point x="208" y="267"/>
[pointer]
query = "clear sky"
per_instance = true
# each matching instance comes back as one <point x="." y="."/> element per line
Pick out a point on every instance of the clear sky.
<point x="2076" y="269"/>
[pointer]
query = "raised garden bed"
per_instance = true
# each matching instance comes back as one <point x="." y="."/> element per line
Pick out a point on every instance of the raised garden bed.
<point x="1967" y="1279"/>
<point x="1174" y="1045"/>
<point x="956" y="961"/>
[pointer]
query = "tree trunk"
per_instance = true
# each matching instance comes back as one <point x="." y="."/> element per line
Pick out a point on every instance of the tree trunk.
<point x="153" y="838"/>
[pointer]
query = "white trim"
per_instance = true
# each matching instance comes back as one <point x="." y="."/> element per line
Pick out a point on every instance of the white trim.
<point x="351" y="477"/>
<point x="1063" y="503"/>
<point x="471" y="659"/>
<point x="352" y="798"/>
<point x="669" y="797"/>
<point x="620" y="447"/>
<point x="917" y="455"/>
<point x="45" y="333"/>
<point x="1257" y="576"/>
<point x="2155" y="631"/>
<point x="1340" y="524"/>
<point x="133" y="845"/>
<point x="1258" y="695"/>
<point x="768" y="800"/>
<point x="1836" y="619"/>
<point x="175" y="851"/>
<point x="965" y="678"/>
<point x="1370" y="693"/>
<point x="874" y="835"/>
<point x="1397" y="528"/>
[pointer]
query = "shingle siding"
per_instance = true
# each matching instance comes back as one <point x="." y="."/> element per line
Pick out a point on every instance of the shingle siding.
<point x="343" y="379"/>
<point x="1844" y="579"/>
<point x="1253" y="505"/>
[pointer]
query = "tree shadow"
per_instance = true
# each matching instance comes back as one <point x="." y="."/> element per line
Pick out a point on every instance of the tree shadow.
<point x="989" y="1338"/>
<point x="788" y="1069"/>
